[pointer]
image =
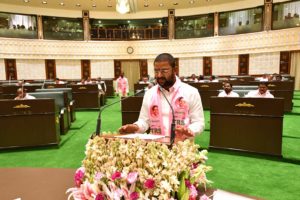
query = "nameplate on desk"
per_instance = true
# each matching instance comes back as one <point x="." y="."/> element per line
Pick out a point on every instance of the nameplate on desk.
<point x="21" y="106"/>
<point x="140" y="136"/>
<point x="82" y="88"/>
<point x="271" y="85"/>
<point x="206" y="86"/>
<point x="244" y="104"/>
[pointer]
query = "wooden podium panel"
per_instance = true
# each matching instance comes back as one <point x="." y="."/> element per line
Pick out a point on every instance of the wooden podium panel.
<point x="247" y="124"/>
<point x="86" y="96"/>
<point x="110" y="91"/>
<point x="130" y="108"/>
<point x="27" y="123"/>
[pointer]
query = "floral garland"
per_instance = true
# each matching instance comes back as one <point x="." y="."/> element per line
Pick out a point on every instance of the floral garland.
<point x="136" y="169"/>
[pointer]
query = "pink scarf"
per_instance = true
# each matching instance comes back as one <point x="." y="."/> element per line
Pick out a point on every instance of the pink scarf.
<point x="180" y="106"/>
<point x="122" y="84"/>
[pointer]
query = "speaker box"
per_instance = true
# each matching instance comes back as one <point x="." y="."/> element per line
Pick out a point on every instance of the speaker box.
<point x="171" y="12"/>
<point x="85" y="13"/>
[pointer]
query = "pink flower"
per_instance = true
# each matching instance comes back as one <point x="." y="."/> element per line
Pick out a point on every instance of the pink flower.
<point x="100" y="196"/>
<point x="132" y="177"/>
<point x="204" y="197"/>
<point x="193" y="192"/>
<point x="79" y="175"/>
<point x="116" y="175"/>
<point x="98" y="176"/>
<point x="149" y="184"/>
<point x="195" y="165"/>
<point x="134" y="196"/>
<point x="187" y="183"/>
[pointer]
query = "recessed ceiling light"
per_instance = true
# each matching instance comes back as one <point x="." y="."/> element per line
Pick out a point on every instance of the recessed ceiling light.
<point x="62" y="3"/>
<point x="146" y="5"/>
<point x="78" y="5"/>
<point x="94" y="6"/>
<point x="192" y="1"/>
<point x="161" y="5"/>
<point x="44" y="2"/>
<point x="175" y="3"/>
<point x="26" y="1"/>
<point x="109" y="6"/>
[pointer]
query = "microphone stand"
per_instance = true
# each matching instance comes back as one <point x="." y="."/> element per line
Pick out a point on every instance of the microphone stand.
<point x="98" y="126"/>
<point x="172" y="138"/>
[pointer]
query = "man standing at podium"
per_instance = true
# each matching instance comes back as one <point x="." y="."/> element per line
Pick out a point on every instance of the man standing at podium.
<point x="165" y="96"/>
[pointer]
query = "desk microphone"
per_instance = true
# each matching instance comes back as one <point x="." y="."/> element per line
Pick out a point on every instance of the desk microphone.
<point x="172" y="138"/>
<point x="98" y="126"/>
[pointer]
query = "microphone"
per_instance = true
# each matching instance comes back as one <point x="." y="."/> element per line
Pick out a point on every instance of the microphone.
<point x="172" y="138"/>
<point x="98" y="126"/>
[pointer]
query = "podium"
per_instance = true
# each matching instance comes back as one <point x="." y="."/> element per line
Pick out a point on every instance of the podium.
<point x="247" y="124"/>
<point x="130" y="109"/>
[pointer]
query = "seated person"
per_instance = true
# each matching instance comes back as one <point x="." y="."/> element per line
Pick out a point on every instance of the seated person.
<point x="22" y="94"/>
<point x="88" y="81"/>
<point x="144" y="80"/>
<point x="99" y="82"/>
<point x="228" y="91"/>
<point x="261" y="92"/>
<point x="213" y="79"/>
<point x="264" y="78"/>
<point x="193" y="78"/>
<point x="58" y="81"/>
<point x="82" y="82"/>
<point x="201" y="79"/>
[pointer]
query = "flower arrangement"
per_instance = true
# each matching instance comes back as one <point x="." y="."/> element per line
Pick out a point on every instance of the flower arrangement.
<point x="136" y="169"/>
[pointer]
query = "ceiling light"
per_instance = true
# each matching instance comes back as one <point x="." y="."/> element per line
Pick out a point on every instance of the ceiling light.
<point x="175" y="3"/>
<point x="192" y="1"/>
<point x="122" y="6"/>
<point x="44" y="2"/>
<point x="62" y="3"/>
<point x="78" y="5"/>
<point x="161" y="5"/>
<point x="94" y="6"/>
<point x="26" y="1"/>
<point x="146" y="5"/>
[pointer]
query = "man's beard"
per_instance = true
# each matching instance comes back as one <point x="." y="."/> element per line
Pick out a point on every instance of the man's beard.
<point x="167" y="83"/>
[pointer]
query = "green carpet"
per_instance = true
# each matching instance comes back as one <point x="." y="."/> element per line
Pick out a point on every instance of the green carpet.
<point x="261" y="176"/>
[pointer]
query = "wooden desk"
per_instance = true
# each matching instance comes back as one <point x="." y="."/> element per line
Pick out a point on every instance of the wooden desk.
<point x="86" y="96"/>
<point x="140" y="86"/>
<point x="130" y="109"/>
<point x="28" y="123"/>
<point x="10" y="91"/>
<point x="207" y="90"/>
<point x="247" y="124"/>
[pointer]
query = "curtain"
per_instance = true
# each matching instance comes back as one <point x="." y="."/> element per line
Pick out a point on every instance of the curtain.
<point x="295" y="68"/>
<point x="131" y="70"/>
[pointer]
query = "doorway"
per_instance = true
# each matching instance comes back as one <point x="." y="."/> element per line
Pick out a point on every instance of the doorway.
<point x="131" y="70"/>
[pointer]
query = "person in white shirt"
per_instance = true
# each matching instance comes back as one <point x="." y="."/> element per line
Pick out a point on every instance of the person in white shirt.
<point x="144" y="80"/>
<point x="189" y="119"/>
<point x="88" y="81"/>
<point x="227" y="92"/>
<point x="122" y="85"/>
<point x="58" y="81"/>
<point x="22" y="94"/>
<point x="261" y="92"/>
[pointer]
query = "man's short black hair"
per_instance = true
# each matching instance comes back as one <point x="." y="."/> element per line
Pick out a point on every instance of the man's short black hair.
<point x="263" y="83"/>
<point x="166" y="57"/>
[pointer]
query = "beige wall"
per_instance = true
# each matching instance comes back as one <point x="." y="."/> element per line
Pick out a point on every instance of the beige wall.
<point x="31" y="69"/>
<point x="225" y="65"/>
<point x="102" y="68"/>
<point x="189" y="66"/>
<point x="264" y="63"/>
<point x="2" y="70"/>
<point x="68" y="69"/>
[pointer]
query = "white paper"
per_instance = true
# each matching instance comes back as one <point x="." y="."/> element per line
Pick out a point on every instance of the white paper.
<point x="223" y="195"/>
<point x="141" y="136"/>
